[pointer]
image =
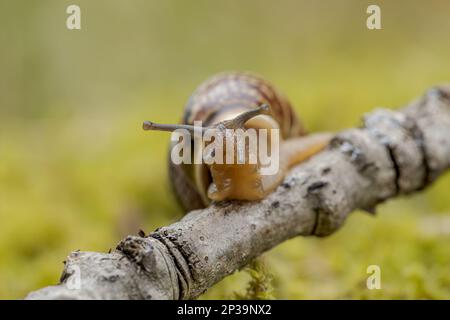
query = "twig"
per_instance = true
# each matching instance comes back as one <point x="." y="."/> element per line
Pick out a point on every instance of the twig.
<point x="392" y="154"/>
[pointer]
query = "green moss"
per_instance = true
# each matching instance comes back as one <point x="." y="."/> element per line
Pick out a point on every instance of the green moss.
<point x="259" y="286"/>
<point x="77" y="171"/>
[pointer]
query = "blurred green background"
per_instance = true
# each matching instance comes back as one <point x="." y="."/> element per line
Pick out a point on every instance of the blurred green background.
<point x="77" y="171"/>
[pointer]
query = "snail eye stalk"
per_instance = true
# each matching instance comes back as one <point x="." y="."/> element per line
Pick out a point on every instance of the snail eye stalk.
<point x="152" y="126"/>
<point x="241" y="119"/>
<point x="235" y="123"/>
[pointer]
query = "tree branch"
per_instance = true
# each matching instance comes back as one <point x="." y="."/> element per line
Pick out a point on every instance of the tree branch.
<point x="391" y="154"/>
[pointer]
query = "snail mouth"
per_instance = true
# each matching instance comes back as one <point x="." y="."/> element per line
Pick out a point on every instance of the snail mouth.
<point x="235" y="182"/>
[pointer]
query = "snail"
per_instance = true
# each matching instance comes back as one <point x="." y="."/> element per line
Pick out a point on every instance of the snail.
<point x="238" y="100"/>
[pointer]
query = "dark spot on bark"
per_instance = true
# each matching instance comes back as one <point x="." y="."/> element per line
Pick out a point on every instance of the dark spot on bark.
<point x="395" y="166"/>
<point x="202" y="238"/>
<point x="112" y="278"/>
<point x="326" y="170"/>
<point x="141" y="233"/>
<point x="206" y="258"/>
<point x="286" y="185"/>
<point x="316" y="220"/>
<point x="316" y="186"/>
<point x="419" y="138"/>
<point x="275" y="204"/>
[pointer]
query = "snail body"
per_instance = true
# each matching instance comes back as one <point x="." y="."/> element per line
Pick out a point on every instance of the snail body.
<point x="238" y="101"/>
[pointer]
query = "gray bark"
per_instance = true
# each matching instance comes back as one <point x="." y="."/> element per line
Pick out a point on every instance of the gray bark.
<point x="393" y="153"/>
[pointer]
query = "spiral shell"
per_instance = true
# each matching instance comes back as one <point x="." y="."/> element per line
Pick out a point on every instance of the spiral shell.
<point x="222" y="97"/>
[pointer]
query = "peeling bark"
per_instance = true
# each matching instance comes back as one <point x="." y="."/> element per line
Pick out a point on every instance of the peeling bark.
<point x="393" y="153"/>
